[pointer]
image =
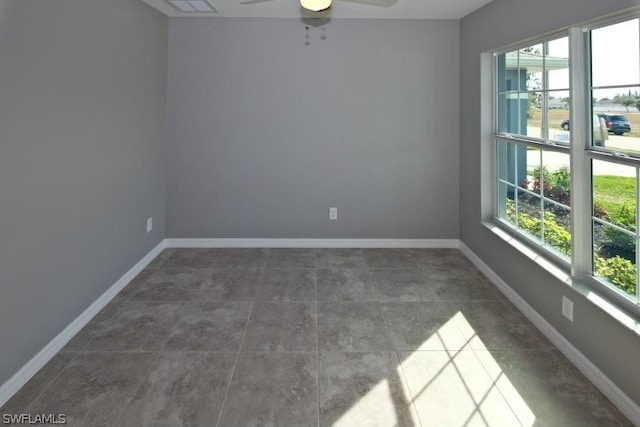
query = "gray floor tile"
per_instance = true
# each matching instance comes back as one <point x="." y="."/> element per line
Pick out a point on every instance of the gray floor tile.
<point x="283" y="326"/>
<point x="240" y="258"/>
<point x="234" y="284"/>
<point x="132" y="287"/>
<point x="450" y="258"/>
<point x="272" y="389"/>
<point x="460" y="285"/>
<point x="94" y="388"/>
<point x="352" y="326"/>
<point x="389" y="258"/>
<point x="161" y="259"/>
<point x="466" y="357"/>
<point x="492" y="325"/>
<point x="544" y="389"/>
<point x="453" y="389"/>
<point x="363" y="389"/>
<point x="291" y="258"/>
<point x="339" y="284"/>
<point x="137" y="326"/>
<point x="214" y="326"/>
<point x="424" y="325"/>
<point x="172" y="284"/>
<point x="401" y="285"/>
<point x="98" y="323"/>
<point x="287" y="285"/>
<point x="181" y="389"/>
<point x="37" y="384"/>
<point x="191" y="258"/>
<point x="340" y="258"/>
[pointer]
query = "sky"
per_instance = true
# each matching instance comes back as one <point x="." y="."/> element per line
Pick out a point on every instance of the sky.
<point x="616" y="57"/>
<point x="615" y="60"/>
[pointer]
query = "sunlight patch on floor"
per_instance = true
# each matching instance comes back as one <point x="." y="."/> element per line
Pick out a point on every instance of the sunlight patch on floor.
<point x="449" y="384"/>
<point x="377" y="401"/>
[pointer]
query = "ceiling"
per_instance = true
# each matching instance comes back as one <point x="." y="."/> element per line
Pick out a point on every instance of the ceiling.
<point x="371" y="9"/>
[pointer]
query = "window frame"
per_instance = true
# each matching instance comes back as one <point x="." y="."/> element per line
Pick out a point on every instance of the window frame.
<point x="581" y="265"/>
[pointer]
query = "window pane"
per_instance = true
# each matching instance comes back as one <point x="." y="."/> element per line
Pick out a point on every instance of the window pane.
<point x="535" y="111"/>
<point x="558" y="115"/>
<point x="615" y="54"/>
<point x="512" y="112"/>
<point x="614" y="224"/>
<point x="530" y="214"/>
<point x="512" y="162"/>
<point x="508" y="72"/>
<point x="616" y="119"/>
<point x="557" y="228"/>
<point x="524" y="99"/>
<point x="556" y="177"/>
<point x="557" y="64"/>
<point x="614" y="194"/>
<point x="614" y="257"/>
<point x="505" y="204"/>
<point x="549" y="175"/>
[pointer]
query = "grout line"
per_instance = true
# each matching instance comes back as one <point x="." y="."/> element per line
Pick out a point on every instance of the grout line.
<point x="402" y="373"/>
<point x="93" y="336"/>
<point x="135" y="391"/>
<point x="42" y="392"/>
<point x="155" y="357"/>
<point x="244" y="335"/>
<point x="494" y="382"/>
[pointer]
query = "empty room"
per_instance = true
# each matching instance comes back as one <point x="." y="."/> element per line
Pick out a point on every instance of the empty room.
<point x="319" y="213"/>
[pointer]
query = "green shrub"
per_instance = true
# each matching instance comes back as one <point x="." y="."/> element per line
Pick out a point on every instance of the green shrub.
<point x="560" y="178"/>
<point x="555" y="185"/>
<point x="617" y="240"/>
<point x="555" y="235"/>
<point x="619" y="271"/>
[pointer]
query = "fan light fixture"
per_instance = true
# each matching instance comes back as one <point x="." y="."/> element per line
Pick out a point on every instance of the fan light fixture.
<point x="315" y="5"/>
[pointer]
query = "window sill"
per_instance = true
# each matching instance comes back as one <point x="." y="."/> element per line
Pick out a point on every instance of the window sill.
<point x="628" y="320"/>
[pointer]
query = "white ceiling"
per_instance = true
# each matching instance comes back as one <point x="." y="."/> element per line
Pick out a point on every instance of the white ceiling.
<point x="371" y="9"/>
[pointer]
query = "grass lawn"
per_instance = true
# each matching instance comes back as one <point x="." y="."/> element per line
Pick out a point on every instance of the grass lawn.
<point x="613" y="192"/>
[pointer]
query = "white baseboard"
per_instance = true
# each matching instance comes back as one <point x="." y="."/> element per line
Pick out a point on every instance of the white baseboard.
<point x="313" y="243"/>
<point x="20" y="378"/>
<point x="626" y="405"/>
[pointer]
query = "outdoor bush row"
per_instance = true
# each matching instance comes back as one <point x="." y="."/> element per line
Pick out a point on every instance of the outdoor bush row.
<point x="557" y="186"/>
<point x="617" y="270"/>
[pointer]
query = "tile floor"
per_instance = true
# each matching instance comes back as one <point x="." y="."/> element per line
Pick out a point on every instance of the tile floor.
<point x="297" y="337"/>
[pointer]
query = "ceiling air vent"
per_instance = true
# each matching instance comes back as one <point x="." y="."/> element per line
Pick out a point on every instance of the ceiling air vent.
<point x="195" y="6"/>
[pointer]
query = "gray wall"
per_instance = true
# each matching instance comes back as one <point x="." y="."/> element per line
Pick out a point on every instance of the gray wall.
<point x="614" y="349"/>
<point x="82" y="141"/>
<point x="269" y="125"/>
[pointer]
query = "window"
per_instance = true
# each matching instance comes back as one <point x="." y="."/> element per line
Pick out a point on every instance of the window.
<point x="532" y="147"/>
<point x="548" y="117"/>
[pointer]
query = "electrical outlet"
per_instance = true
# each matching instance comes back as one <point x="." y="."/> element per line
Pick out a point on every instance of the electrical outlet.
<point x="333" y="213"/>
<point x="567" y="308"/>
<point x="149" y="224"/>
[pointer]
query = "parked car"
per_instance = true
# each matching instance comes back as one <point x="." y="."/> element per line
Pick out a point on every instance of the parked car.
<point x="600" y="129"/>
<point x="616" y="123"/>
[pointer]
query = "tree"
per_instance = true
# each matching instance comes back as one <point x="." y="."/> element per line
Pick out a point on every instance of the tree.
<point x="624" y="100"/>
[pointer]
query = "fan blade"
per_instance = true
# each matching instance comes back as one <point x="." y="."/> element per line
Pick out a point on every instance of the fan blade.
<point x="378" y="3"/>
<point x="254" y="1"/>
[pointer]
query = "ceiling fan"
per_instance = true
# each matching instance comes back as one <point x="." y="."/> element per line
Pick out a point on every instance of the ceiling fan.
<point x="322" y="5"/>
